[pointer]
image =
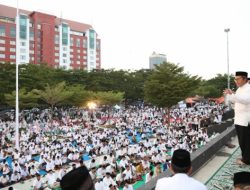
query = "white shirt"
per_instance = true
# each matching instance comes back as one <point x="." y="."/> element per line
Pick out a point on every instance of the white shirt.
<point x="51" y="178"/>
<point x="148" y="177"/>
<point x="99" y="186"/>
<point x="108" y="181"/>
<point x="179" y="181"/>
<point x="128" y="174"/>
<point x="129" y="187"/>
<point x="38" y="184"/>
<point x="242" y="105"/>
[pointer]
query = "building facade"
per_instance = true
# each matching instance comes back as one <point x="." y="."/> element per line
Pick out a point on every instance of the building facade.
<point x="44" y="38"/>
<point x="156" y="59"/>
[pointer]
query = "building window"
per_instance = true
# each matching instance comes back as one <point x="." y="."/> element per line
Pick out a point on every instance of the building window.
<point x="78" y="62"/>
<point x="2" y="48"/>
<point x="12" y="32"/>
<point x="32" y="45"/>
<point x="64" y="55"/>
<point x="57" y="60"/>
<point x="84" y="43"/>
<point x="31" y="35"/>
<point x="56" y="39"/>
<point x="12" y="57"/>
<point x="22" y="50"/>
<point x="56" y="48"/>
<point x="39" y="26"/>
<point x="71" y="42"/>
<point x="64" y="34"/>
<point x="22" y="57"/>
<point x="11" y="42"/>
<point x="2" y="30"/>
<point x="65" y="49"/>
<point x="22" y="43"/>
<point x="2" y="41"/>
<point x="79" y="57"/>
<point x="31" y="51"/>
<point x="56" y="54"/>
<point x="2" y="55"/>
<point x="23" y="27"/>
<point x="77" y="42"/>
<point x="64" y="60"/>
<point x="98" y="45"/>
<point x="12" y="50"/>
<point x="91" y="39"/>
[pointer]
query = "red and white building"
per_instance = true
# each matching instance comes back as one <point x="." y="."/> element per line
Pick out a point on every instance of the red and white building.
<point x="44" y="38"/>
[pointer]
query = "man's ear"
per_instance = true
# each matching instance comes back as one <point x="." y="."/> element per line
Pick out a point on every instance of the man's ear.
<point x="190" y="170"/>
<point x="171" y="169"/>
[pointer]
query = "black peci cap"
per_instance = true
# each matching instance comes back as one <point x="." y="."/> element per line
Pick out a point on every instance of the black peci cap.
<point x="77" y="179"/>
<point x="181" y="158"/>
<point x="241" y="73"/>
<point x="241" y="178"/>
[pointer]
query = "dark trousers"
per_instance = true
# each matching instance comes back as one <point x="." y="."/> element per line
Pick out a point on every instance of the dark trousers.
<point x="243" y="134"/>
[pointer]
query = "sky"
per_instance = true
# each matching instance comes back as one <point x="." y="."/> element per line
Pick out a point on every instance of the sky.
<point x="190" y="32"/>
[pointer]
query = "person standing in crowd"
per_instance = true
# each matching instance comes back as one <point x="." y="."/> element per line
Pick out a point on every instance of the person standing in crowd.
<point x="181" y="168"/>
<point x="241" y="99"/>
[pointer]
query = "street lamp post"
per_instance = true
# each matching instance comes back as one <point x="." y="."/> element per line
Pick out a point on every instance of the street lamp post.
<point x="17" y="64"/>
<point x="228" y="77"/>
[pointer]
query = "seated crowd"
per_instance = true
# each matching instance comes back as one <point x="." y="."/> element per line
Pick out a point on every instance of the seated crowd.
<point x="138" y="146"/>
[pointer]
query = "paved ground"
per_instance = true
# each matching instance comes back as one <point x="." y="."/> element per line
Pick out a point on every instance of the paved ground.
<point x="217" y="174"/>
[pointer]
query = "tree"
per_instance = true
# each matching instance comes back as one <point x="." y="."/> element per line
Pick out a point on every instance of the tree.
<point x="26" y="99"/>
<point x="109" y="98"/>
<point x="55" y="94"/>
<point x="79" y="97"/>
<point x="7" y="81"/>
<point x="168" y="85"/>
<point x="220" y="83"/>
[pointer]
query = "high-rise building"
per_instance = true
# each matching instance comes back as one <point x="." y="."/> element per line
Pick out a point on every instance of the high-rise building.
<point x="45" y="38"/>
<point x="156" y="59"/>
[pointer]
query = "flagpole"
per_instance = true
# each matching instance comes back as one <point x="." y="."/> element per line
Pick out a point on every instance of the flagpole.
<point x="17" y="64"/>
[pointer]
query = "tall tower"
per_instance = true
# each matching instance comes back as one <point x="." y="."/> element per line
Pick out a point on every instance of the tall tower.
<point x="156" y="59"/>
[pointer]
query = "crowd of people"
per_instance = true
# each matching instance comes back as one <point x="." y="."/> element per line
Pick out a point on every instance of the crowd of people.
<point x="121" y="146"/>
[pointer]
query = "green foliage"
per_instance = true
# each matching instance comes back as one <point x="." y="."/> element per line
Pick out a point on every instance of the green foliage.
<point x="7" y="80"/>
<point x="108" y="98"/>
<point x="26" y="99"/>
<point x="55" y="94"/>
<point x="164" y="86"/>
<point x="214" y="87"/>
<point x="79" y="97"/>
<point x="168" y="85"/>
